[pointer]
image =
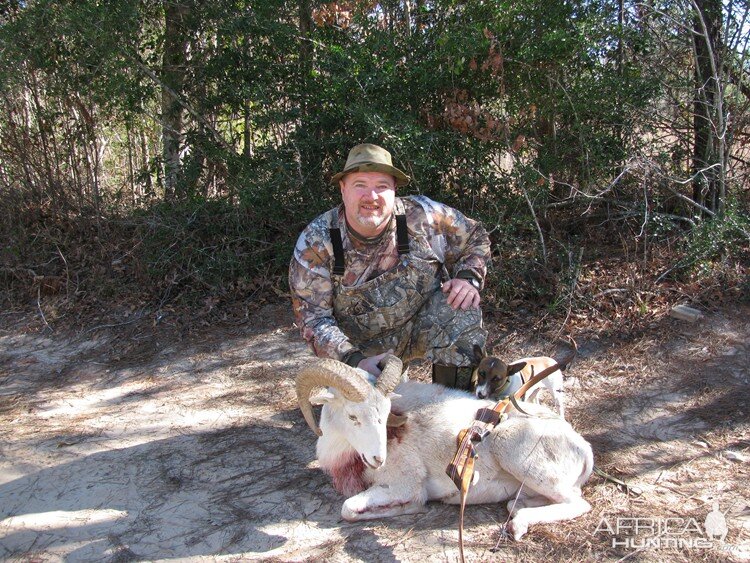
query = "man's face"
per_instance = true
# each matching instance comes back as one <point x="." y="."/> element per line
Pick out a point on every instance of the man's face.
<point x="368" y="199"/>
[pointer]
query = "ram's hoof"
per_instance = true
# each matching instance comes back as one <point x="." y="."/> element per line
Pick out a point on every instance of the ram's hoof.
<point x="353" y="510"/>
<point x="517" y="528"/>
<point x="348" y="515"/>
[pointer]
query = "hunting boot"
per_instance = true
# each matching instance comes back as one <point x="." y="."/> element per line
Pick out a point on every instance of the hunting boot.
<point x="452" y="376"/>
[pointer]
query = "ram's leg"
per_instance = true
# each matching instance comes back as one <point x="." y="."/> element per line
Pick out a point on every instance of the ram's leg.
<point x="523" y="500"/>
<point x="382" y="501"/>
<point x="535" y="512"/>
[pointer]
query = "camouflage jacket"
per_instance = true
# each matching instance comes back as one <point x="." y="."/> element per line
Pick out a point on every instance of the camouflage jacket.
<point x="459" y="243"/>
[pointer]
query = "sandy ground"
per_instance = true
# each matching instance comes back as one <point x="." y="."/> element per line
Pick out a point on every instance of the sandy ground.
<point x="132" y="443"/>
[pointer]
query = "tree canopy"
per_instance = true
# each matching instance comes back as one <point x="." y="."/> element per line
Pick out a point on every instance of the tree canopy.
<point x="223" y="121"/>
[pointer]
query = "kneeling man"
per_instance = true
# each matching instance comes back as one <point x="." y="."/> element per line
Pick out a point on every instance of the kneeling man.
<point x="382" y="273"/>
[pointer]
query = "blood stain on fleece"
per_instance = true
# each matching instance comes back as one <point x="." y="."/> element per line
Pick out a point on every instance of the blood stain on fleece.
<point x="348" y="473"/>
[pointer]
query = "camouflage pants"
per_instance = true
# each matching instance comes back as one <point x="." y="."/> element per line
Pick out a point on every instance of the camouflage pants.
<point x="436" y="333"/>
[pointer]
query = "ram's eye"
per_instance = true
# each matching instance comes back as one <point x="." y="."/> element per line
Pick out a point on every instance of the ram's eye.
<point x="352" y="418"/>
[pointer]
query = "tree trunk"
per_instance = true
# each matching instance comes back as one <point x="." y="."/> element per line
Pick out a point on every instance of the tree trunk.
<point x="148" y="187"/>
<point x="407" y="18"/>
<point x="305" y="27"/>
<point x="173" y="78"/>
<point x="247" y="134"/>
<point x="708" y="118"/>
<point x="131" y="167"/>
<point x="51" y="182"/>
<point x="305" y="51"/>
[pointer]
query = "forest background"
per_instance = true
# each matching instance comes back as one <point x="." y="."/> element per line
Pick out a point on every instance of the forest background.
<point x="159" y="159"/>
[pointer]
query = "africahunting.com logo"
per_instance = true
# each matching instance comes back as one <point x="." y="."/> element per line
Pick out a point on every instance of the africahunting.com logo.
<point x="638" y="532"/>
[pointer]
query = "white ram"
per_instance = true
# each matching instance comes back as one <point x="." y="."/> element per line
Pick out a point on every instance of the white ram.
<point x="396" y="470"/>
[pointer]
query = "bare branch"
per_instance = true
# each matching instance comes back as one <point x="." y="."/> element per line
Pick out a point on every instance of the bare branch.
<point x="182" y="101"/>
<point x="536" y="222"/>
<point x="39" y="307"/>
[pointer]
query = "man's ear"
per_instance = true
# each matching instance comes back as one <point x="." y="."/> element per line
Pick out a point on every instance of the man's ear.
<point x="322" y="397"/>
<point x="515" y="368"/>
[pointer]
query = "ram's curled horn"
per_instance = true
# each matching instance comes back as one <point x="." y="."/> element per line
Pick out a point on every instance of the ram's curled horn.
<point x="390" y="376"/>
<point x="328" y="373"/>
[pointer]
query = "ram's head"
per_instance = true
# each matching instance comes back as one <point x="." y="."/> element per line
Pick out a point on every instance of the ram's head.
<point x="353" y="408"/>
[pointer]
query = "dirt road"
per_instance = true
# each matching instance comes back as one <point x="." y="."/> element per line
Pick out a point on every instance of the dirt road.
<point x="128" y="443"/>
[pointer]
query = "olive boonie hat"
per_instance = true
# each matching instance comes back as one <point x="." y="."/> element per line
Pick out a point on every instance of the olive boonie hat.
<point x="371" y="158"/>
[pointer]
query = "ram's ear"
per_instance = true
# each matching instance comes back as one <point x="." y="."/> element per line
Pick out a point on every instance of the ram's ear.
<point x="396" y="420"/>
<point x="322" y="397"/>
<point x="393" y="396"/>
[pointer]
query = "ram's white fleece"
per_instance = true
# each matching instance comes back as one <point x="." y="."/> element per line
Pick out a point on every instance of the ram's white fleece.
<point x="542" y="451"/>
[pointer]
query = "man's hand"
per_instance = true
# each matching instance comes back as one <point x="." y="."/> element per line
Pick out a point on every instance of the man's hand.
<point x="371" y="364"/>
<point x="461" y="294"/>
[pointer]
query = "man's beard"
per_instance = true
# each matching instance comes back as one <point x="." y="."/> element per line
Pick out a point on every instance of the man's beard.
<point x="373" y="221"/>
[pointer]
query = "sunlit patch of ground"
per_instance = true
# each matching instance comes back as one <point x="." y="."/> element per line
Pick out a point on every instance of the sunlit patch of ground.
<point x="141" y="445"/>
